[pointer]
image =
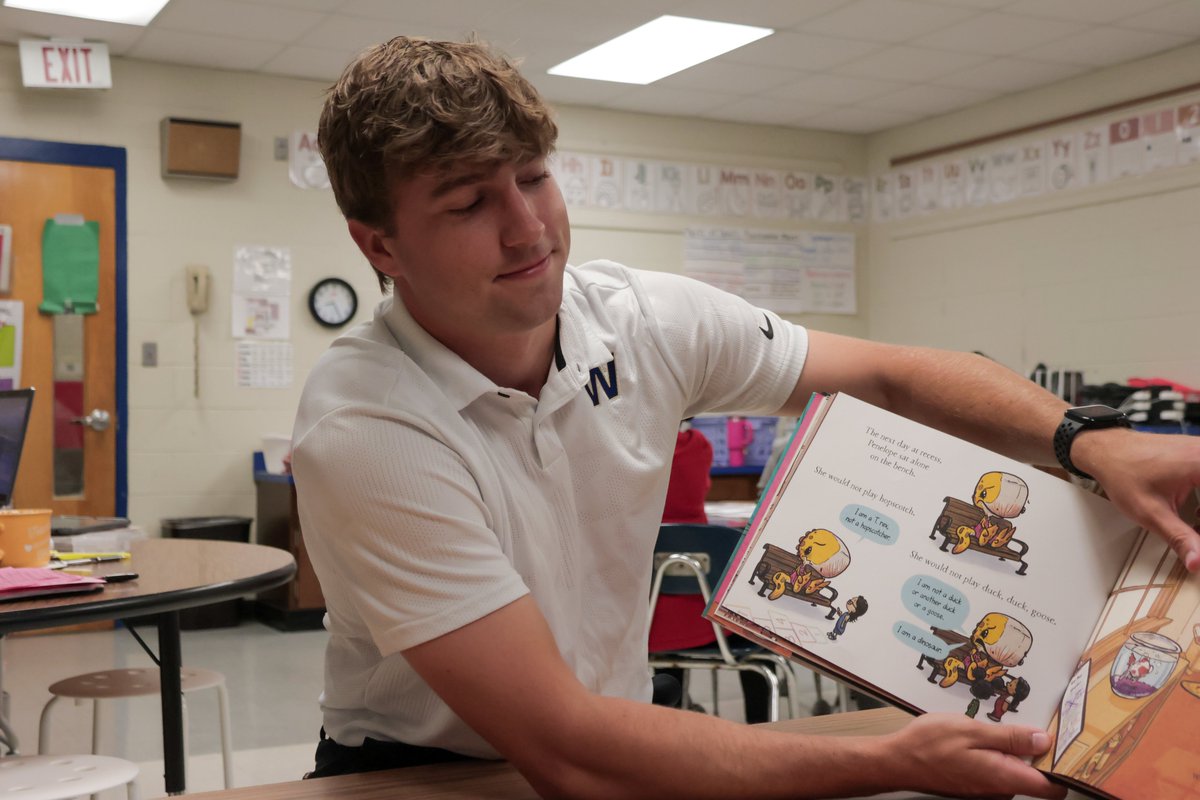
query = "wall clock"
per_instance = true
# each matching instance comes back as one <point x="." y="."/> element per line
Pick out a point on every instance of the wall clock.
<point x="332" y="302"/>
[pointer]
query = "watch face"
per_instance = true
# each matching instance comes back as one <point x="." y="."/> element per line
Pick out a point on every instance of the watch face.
<point x="1095" y="414"/>
<point x="332" y="302"/>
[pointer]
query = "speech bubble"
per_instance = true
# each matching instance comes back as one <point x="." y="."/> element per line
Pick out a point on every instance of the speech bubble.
<point x="868" y="522"/>
<point x="921" y="639"/>
<point x="934" y="601"/>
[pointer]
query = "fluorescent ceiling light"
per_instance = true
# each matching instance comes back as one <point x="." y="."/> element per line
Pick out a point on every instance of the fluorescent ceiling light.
<point x="657" y="49"/>
<point x="129" y="12"/>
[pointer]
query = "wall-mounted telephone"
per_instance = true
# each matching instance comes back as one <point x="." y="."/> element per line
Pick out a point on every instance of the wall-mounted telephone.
<point x="198" y="278"/>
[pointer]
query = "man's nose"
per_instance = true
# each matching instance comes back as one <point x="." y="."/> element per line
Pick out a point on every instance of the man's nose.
<point x="522" y="223"/>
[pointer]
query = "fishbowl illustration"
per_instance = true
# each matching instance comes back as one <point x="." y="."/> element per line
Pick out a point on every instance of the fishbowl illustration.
<point x="1143" y="665"/>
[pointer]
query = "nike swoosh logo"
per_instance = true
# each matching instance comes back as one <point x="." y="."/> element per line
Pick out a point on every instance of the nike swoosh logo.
<point x="768" y="331"/>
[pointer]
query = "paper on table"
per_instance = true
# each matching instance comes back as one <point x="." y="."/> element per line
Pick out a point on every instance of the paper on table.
<point x="18" y="582"/>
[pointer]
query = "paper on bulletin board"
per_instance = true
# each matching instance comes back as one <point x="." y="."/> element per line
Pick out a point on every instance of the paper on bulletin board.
<point x="264" y="365"/>
<point x="5" y="258"/>
<point x="70" y="265"/>
<point x="262" y="285"/>
<point x="12" y="330"/>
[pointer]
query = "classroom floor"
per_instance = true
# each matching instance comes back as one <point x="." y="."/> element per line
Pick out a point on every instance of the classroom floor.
<point x="273" y="679"/>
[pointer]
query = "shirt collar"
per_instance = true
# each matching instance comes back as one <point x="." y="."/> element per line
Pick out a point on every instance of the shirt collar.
<point x="578" y="348"/>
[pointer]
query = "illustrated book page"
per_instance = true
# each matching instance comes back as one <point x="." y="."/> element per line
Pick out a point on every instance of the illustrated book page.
<point x="923" y="568"/>
<point x="1129" y="723"/>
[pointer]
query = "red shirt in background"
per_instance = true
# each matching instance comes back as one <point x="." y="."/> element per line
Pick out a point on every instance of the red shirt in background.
<point x="677" y="622"/>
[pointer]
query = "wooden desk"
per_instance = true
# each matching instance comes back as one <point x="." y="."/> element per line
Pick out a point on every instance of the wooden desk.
<point x="172" y="574"/>
<point x="499" y="780"/>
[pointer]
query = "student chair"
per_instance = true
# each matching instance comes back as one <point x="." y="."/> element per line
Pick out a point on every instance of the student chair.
<point x="689" y="559"/>
<point x="137" y="682"/>
<point x="65" y="777"/>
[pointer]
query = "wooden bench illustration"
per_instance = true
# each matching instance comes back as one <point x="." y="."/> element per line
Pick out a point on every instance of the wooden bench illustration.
<point x="958" y="513"/>
<point x="775" y="559"/>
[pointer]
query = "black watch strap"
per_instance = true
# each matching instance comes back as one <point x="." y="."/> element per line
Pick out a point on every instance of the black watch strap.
<point x="1070" y="427"/>
<point x="1063" y="438"/>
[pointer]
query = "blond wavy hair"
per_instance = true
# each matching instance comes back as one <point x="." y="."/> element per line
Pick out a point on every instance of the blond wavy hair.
<point x="413" y="106"/>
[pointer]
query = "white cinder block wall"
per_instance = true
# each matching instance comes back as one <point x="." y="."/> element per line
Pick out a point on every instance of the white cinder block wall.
<point x="1106" y="279"/>
<point x="190" y="456"/>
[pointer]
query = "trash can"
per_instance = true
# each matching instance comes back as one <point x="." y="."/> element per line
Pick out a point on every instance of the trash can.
<point x="227" y="613"/>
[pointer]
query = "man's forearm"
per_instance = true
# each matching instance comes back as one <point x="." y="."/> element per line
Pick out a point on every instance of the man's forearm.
<point x="974" y="398"/>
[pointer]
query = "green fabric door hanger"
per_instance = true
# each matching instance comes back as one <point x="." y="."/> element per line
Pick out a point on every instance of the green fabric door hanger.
<point x="70" y="265"/>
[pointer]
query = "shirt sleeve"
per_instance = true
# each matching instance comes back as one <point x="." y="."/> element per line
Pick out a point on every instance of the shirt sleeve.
<point x="396" y="529"/>
<point x="732" y="356"/>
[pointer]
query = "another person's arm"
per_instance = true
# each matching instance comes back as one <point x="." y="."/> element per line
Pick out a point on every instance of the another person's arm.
<point x="503" y="675"/>
<point x="1149" y="476"/>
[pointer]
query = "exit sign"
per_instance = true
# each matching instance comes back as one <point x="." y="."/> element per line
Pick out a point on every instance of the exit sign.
<point x="55" y="64"/>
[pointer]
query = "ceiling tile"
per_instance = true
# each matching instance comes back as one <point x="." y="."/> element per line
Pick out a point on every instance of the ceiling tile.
<point x="236" y="19"/>
<point x="802" y="51"/>
<point x="980" y="4"/>
<point x="313" y="63"/>
<point x="718" y="76"/>
<point x="1101" y="47"/>
<point x="1098" y="11"/>
<point x="324" y="6"/>
<point x="656" y="100"/>
<point x="835" y="90"/>
<point x="1180" y="17"/>
<point x="914" y="64"/>
<point x="764" y="13"/>
<point x="453" y="14"/>
<point x="887" y="20"/>
<point x="1010" y="75"/>
<point x="577" y="91"/>
<point x="347" y="33"/>
<point x="203" y="50"/>
<point x="586" y="24"/>
<point x="929" y="100"/>
<point x="16" y="24"/>
<point x="851" y="119"/>
<point x="999" y="33"/>
<point x="763" y="111"/>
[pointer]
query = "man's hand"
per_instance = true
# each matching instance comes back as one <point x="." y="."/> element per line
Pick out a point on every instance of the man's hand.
<point x="951" y="755"/>
<point x="1150" y="477"/>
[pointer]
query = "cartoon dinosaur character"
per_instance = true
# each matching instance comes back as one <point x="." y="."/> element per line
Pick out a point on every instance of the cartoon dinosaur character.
<point x="822" y="556"/>
<point x="1002" y="497"/>
<point x="998" y="643"/>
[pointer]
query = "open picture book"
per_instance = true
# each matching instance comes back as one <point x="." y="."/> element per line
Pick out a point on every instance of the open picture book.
<point x="943" y="577"/>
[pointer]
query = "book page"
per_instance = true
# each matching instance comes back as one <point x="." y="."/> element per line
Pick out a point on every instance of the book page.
<point x="939" y="573"/>
<point x="1129" y="728"/>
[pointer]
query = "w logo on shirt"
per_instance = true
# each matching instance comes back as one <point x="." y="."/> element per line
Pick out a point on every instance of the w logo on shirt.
<point x="608" y="384"/>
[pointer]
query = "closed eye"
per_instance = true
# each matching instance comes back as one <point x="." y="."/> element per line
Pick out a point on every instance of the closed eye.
<point x="467" y="209"/>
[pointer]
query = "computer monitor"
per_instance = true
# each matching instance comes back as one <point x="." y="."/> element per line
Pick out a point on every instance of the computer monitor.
<point x="15" y="405"/>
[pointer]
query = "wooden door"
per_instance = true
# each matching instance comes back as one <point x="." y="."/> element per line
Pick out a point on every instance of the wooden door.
<point x="32" y="191"/>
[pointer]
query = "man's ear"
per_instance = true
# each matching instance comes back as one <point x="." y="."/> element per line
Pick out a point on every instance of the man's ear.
<point x="373" y="244"/>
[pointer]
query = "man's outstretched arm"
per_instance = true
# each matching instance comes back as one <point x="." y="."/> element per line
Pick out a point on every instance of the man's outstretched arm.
<point x="503" y="675"/>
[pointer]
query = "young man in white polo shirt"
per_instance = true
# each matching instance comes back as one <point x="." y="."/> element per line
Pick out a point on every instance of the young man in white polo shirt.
<point x="481" y="468"/>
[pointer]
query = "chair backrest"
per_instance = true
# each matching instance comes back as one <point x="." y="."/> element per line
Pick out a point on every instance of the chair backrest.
<point x="710" y="546"/>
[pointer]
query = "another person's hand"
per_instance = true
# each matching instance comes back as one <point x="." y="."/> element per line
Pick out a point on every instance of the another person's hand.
<point x="949" y="754"/>
<point x="1150" y="476"/>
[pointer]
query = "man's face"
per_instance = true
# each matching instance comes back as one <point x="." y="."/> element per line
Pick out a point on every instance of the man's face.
<point x="478" y="250"/>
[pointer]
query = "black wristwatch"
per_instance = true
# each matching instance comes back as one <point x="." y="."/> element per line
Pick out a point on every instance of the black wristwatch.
<point x="1084" y="418"/>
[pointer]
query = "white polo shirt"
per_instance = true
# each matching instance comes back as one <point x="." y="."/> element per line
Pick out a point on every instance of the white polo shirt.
<point x="430" y="497"/>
